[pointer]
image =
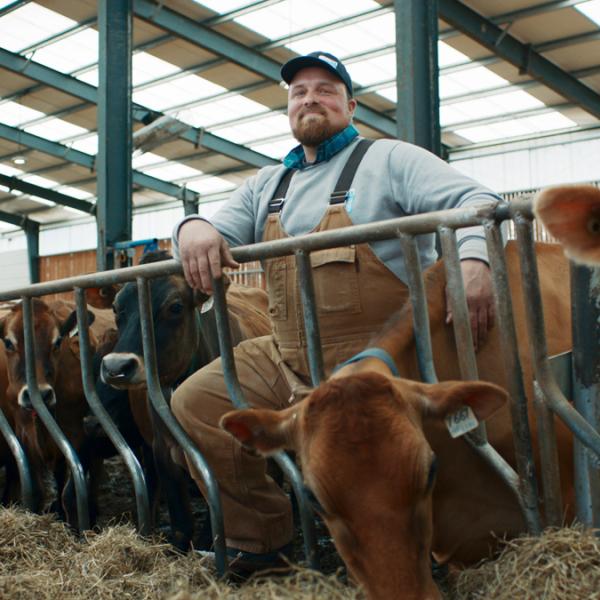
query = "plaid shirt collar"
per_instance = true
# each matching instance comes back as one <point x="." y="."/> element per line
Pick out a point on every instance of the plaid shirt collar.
<point x="329" y="148"/>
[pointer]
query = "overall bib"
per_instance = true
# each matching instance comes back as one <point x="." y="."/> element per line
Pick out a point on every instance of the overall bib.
<point x="355" y="295"/>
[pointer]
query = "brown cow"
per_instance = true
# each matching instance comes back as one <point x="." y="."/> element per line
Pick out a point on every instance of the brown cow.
<point x="186" y="339"/>
<point x="572" y="215"/>
<point x="370" y="445"/>
<point x="58" y="373"/>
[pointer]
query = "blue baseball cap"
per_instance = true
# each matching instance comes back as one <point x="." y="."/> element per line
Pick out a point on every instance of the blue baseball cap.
<point x="324" y="60"/>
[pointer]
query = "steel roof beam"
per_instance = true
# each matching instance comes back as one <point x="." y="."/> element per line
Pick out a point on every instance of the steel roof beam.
<point x="89" y="93"/>
<point x="12" y="183"/>
<point x="501" y="43"/>
<point x="237" y="53"/>
<point x="18" y="136"/>
<point x="16" y="220"/>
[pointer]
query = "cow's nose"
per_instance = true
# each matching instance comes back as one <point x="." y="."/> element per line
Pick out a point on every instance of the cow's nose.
<point x="118" y="367"/>
<point x="46" y="393"/>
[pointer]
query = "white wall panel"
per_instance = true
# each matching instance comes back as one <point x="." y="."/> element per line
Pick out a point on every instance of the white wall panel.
<point x="14" y="269"/>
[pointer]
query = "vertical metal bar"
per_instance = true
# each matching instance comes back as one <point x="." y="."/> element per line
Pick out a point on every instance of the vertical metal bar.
<point x="237" y="398"/>
<point x="190" y="207"/>
<point x="585" y="291"/>
<point x="555" y="399"/>
<point x="417" y="107"/>
<point x="549" y="459"/>
<point x="20" y="460"/>
<point x="164" y="412"/>
<point x="466" y="358"/>
<point x="83" y="515"/>
<point x="311" y="319"/>
<point x="137" y="474"/>
<point x="114" y="127"/>
<point x="32" y="232"/>
<point x="422" y="331"/>
<point x="515" y="385"/>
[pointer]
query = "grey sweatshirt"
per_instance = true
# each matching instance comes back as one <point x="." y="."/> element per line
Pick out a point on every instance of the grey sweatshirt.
<point x="394" y="179"/>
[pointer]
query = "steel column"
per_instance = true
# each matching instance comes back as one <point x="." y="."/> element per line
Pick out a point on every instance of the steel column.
<point x="114" y="128"/>
<point x="418" y="105"/>
<point x="585" y="290"/>
<point x="32" y="232"/>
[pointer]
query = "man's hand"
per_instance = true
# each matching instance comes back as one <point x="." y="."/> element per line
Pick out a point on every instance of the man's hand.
<point x="203" y="253"/>
<point x="480" y="299"/>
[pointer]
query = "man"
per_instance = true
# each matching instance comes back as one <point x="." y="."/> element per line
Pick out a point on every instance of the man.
<point x="357" y="288"/>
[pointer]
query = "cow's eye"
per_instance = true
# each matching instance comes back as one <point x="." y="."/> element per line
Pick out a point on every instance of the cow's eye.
<point x="432" y="473"/>
<point x="176" y="308"/>
<point x="57" y="342"/>
<point x="10" y="347"/>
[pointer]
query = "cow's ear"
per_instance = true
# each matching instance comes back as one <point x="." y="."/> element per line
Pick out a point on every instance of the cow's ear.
<point x="442" y="399"/>
<point x="70" y="323"/>
<point x="265" y="431"/>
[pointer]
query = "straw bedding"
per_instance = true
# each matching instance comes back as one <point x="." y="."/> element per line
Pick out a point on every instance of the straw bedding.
<point x="41" y="559"/>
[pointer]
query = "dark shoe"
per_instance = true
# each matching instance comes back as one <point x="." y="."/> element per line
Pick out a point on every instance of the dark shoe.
<point x="243" y="564"/>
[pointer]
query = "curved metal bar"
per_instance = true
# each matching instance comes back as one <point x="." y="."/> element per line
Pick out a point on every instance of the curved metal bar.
<point x="237" y="397"/>
<point x="311" y="319"/>
<point x="83" y="515"/>
<point x="418" y="298"/>
<point x="467" y="362"/>
<point x="20" y="460"/>
<point x="516" y="387"/>
<point x="135" y="470"/>
<point x="582" y="430"/>
<point x="164" y="412"/>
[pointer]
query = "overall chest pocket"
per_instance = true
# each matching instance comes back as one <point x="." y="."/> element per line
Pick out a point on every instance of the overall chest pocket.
<point x="335" y="276"/>
<point x="277" y="277"/>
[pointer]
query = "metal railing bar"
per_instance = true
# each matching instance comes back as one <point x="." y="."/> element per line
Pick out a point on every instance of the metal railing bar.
<point x="144" y="519"/>
<point x="421" y="328"/>
<point x="582" y="430"/>
<point x="83" y="515"/>
<point x="466" y="358"/>
<point x="20" y="460"/>
<point x="311" y="319"/>
<point x="515" y="385"/>
<point x="163" y="411"/>
<point x="307" y="520"/>
<point x="382" y="230"/>
<point x="551" y="491"/>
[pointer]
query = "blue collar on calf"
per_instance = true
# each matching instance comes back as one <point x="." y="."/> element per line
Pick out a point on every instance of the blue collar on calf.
<point x="372" y="353"/>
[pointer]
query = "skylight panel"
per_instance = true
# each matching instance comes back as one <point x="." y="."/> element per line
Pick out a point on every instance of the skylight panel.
<point x="41" y="181"/>
<point x="255" y="130"/>
<point x="352" y="39"/>
<point x="70" y="53"/>
<point x="146" y="159"/>
<point x="29" y="25"/>
<point x="42" y="200"/>
<point x="210" y="185"/>
<point x="14" y="114"/>
<point x="88" y="144"/>
<point x="374" y="70"/>
<point x="175" y="93"/>
<point x="390" y="93"/>
<point x="472" y="80"/>
<point x="146" y="67"/>
<point x="220" y="111"/>
<point x="276" y="149"/>
<point x="447" y="55"/>
<point x="591" y="10"/>
<point x="224" y="6"/>
<point x="172" y="171"/>
<point x="55" y="129"/>
<point x="90" y="76"/>
<point x="10" y="171"/>
<point x="75" y="192"/>
<point x="549" y="121"/>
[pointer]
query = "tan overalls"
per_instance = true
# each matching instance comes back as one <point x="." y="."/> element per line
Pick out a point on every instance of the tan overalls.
<point x="355" y="294"/>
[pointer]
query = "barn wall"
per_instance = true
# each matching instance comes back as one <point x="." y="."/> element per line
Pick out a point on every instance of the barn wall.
<point x="14" y="269"/>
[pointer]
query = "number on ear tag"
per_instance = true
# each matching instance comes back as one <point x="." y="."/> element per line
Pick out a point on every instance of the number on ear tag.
<point x="461" y="422"/>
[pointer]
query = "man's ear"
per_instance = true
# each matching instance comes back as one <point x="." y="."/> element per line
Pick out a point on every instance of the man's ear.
<point x="265" y="431"/>
<point x="442" y="399"/>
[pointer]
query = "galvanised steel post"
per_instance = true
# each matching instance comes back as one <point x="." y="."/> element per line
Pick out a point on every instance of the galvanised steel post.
<point x="418" y="105"/>
<point x="32" y="232"/>
<point x="114" y="128"/>
<point x="585" y="294"/>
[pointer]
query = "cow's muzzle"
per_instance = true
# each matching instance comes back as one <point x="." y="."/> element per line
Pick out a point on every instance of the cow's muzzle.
<point x="122" y="370"/>
<point x="46" y="392"/>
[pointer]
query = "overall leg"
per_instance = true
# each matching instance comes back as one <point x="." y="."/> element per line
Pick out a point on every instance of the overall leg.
<point x="257" y="513"/>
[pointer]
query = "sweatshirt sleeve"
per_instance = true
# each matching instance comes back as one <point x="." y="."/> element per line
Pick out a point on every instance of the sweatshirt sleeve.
<point x="422" y="182"/>
<point x="235" y="221"/>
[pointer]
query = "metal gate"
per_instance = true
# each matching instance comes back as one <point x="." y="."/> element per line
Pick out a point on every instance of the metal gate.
<point x="549" y="398"/>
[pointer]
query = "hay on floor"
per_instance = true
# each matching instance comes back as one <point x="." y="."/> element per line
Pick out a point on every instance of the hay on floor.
<point x="40" y="559"/>
<point x="561" y="564"/>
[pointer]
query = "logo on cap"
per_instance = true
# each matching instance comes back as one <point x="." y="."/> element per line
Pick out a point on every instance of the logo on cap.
<point x="332" y="63"/>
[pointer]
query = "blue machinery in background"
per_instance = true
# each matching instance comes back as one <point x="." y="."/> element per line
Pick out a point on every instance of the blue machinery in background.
<point x="125" y="251"/>
<point x="550" y="400"/>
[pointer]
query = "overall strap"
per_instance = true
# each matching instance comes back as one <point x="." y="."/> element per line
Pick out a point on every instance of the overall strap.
<point x="278" y="198"/>
<point x="342" y="187"/>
